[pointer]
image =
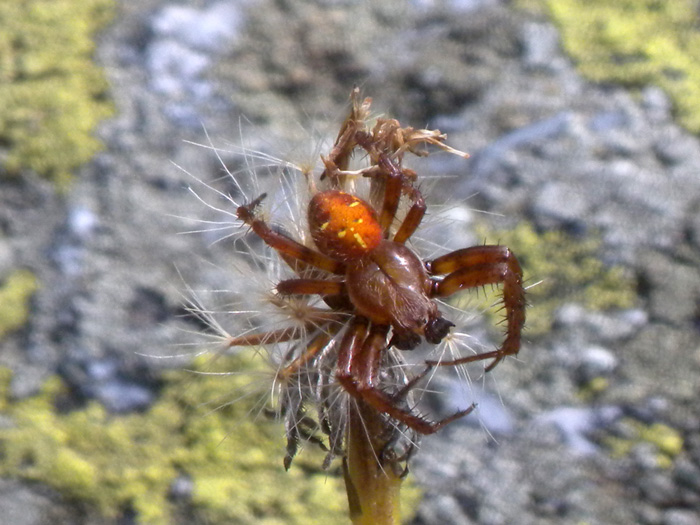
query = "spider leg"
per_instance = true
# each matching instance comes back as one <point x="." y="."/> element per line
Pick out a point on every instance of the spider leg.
<point x="359" y="361"/>
<point x="263" y="338"/>
<point x="413" y="217"/>
<point x="389" y="176"/>
<point x="287" y="247"/>
<point x="313" y="320"/>
<point x="333" y="293"/>
<point x="479" y="266"/>
<point x="396" y="181"/>
<point x="311" y="287"/>
<point x="393" y="184"/>
<point x="406" y="389"/>
<point x="316" y="345"/>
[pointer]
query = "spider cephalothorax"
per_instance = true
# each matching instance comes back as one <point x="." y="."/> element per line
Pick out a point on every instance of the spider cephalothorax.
<point x="365" y="273"/>
<point x="384" y="280"/>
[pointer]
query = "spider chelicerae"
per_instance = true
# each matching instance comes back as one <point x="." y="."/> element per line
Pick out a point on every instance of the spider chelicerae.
<point x="378" y="296"/>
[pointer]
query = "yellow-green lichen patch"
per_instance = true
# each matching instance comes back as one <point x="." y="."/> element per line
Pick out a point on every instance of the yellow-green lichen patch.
<point x="667" y="441"/>
<point x="52" y="95"/>
<point x="15" y="293"/>
<point x="110" y="463"/>
<point x="5" y="380"/>
<point x="593" y="388"/>
<point x="637" y="43"/>
<point x="560" y="269"/>
<point x="233" y="458"/>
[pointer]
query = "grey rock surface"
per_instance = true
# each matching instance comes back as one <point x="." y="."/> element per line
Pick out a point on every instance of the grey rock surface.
<point x="547" y="146"/>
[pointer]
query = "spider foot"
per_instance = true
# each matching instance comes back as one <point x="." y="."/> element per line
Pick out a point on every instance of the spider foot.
<point x="425" y="426"/>
<point x="246" y="212"/>
<point x="497" y="356"/>
<point x="456" y="416"/>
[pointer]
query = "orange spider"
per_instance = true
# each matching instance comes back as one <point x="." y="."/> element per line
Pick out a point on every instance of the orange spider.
<point x="368" y="272"/>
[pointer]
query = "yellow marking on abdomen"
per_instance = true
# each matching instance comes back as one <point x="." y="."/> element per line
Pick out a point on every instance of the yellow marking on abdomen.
<point x="360" y="240"/>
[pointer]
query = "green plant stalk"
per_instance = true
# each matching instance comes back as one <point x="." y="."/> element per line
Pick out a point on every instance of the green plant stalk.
<point x="373" y="489"/>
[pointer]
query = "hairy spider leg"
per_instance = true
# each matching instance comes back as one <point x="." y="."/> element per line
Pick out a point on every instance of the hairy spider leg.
<point x="389" y="175"/>
<point x="413" y="217"/>
<point x="399" y="181"/>
<point x="333" y="293"/>
<point x="359" y="358"/>
<point x="263" y="338"/>
<point x="316" y="345"/>
<point x="311" y="287"/>
<point x="291" y="333"/>
<point x="285" y="246"/>
<point x="479" y="266"/>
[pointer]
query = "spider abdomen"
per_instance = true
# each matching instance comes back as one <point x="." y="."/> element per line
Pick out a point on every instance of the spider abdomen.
<point x="343" y="226"/>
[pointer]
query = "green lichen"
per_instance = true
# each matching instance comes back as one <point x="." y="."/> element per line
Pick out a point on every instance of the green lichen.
<point x="5" y="380"/>
<point x="15" y="294"/>
<point x="560" y="269"/>
<point x="636" y="43"/>
<point x="115" y="463"/>
<point x="667" y="441"/>
<point x="593" y="389"/>
<point x="52" y="95"/>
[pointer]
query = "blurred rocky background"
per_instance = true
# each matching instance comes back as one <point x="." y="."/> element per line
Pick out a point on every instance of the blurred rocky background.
<point x="582" y="121"/>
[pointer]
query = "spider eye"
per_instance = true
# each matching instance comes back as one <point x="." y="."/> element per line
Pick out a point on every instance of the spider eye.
<point x="437" y="329"/>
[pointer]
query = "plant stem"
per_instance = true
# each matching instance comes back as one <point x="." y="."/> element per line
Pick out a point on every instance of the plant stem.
<point x="373" y="488"/>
